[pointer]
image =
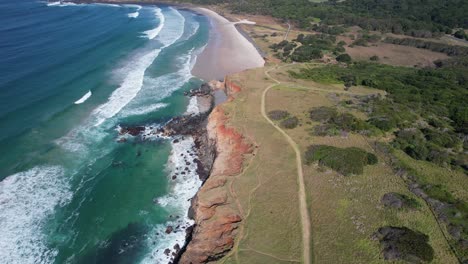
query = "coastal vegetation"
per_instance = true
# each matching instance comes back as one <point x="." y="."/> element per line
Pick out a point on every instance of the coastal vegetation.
<point x="351" y="207"/>
<point x="347" y="161"/>
<point x="333" y="123"/>
<point x="400" y="17"/>
<point x="451" y="50"/>
<point x="401" y="243"/>
<point x="305" y="47"/>
<point x="425" y="109"/>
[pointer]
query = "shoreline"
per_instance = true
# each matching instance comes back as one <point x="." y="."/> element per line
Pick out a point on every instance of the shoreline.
<point x="228" y="51"/>
<point x="229" y="48"/>
<point x="220" y="149"/>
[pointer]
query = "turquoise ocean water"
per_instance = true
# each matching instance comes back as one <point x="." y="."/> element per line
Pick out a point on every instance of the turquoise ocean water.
<point x="70" y="76"/>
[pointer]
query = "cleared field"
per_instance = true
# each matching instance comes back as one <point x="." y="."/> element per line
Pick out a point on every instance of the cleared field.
<point x="346" y="211"/>
<point x="396" y="55"/>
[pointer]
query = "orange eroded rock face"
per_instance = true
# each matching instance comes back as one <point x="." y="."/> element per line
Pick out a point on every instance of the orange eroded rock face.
<point x="231" y="87"/>
<point x="215" y="213"/>
<point x="230" y="145"/>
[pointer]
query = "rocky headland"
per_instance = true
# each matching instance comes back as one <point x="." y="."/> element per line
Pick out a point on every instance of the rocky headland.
<point x="220" y="154"/>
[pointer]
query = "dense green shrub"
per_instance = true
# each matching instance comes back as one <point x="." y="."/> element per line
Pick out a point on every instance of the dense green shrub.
<point x="278" y="114"/>
<point x="323" y="113"/>
<point x="460" y="34"/>
<point x="333" y="122"/>
<point x="399" y="201"/>
<point x="402" y="243"/>
<point x="344" y="58"/>
<point x="334" y="30"/>
<point x="306" y="53"/>
<point x="417" y="18"/>
<point x="451" y="50"/>
<point x="290" y="122"/>
<point x="346" y="161"/>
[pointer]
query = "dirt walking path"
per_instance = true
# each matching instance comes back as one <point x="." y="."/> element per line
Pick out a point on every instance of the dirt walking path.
<point x="305" y="221"/>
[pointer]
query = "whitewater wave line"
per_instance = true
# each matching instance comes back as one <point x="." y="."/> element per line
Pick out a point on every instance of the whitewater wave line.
<point x="84" y="98"/>
<point x="151" y="34"/>
<point x="26" y="200"/>
<point x="133" y="82"/>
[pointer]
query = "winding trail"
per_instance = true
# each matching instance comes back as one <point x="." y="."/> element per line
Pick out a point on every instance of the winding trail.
<point x="305" y="221"/>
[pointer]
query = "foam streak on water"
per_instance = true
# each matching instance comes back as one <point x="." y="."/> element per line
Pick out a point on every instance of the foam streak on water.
<point x="136" y="13"/>
<point x="26" y="200"/>
<point x="128" y="89"/>
<point x="133" y="82"/>
<point x="151" y="34"/>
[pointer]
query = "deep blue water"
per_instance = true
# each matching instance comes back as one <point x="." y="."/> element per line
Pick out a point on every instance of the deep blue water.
<point x="71" y="75"/>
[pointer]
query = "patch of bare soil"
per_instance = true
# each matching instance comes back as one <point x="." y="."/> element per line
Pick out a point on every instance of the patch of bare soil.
<point x="396" y="55"/>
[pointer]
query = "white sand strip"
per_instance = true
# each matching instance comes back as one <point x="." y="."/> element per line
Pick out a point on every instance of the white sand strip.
<point x="227" y="52"/>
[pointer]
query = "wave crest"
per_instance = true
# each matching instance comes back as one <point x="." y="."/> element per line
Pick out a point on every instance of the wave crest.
<point x="26" y="200"/>
<point x="151" y="34"/>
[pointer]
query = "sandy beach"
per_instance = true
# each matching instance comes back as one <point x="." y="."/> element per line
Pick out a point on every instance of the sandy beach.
<point x="227" y="51"/>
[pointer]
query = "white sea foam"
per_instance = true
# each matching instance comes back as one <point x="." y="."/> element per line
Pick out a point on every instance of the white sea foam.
<point x="53" y="3"/>
<point x="177" y="27"/>
<point x="192" y="30"/>
<point x="183" y="188"/>
<point x="26" y="200"/>
<point x="142" y="110"/>
<point x="128" y="89"/>
<point x="192" y="107"/>
<point x="84" y="98"/>
<point x="107" y="4"/>
<point x="151" y="34"/>
<point x="133" y="81"/>
<point x="156" y="89"/>
<point x="61" y="4"/>
<point x="133" y="15"/>
<point x="138" y="7"/>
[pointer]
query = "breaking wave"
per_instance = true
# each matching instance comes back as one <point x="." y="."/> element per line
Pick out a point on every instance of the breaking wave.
<point x="133" y="82"/>
<point x="151" y="34"/>
<point x="26" y="200"/>
<point x="84" y="98"/>
<point x="185" y="186"/>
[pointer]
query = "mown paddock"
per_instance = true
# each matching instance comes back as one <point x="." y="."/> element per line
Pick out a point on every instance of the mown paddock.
<point x="345" y="211"/>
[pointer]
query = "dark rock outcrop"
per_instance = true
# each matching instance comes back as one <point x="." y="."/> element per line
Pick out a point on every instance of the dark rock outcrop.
<point x="134" y="131"/>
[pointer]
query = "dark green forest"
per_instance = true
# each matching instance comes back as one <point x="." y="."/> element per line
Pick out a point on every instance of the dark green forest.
<point x="419" y="18"/>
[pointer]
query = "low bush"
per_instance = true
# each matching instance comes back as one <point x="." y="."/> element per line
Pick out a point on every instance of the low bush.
<point x="278" y="114"/>
<point x="402" y="243"/>
<point x="323" y="114"/>
<point x="333" y="122"/>
<point x="290" y="122"/>
<point x="344" y="58"/>
<point x="347" y="161"/>
<point x="399" y="201"/>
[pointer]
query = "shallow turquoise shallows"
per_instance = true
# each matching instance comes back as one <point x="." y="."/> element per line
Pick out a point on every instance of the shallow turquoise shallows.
<point x="70" y="76"/>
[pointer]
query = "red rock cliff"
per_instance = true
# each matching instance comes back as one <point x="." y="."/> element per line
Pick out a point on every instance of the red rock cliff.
<point x="215" y="214"/>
